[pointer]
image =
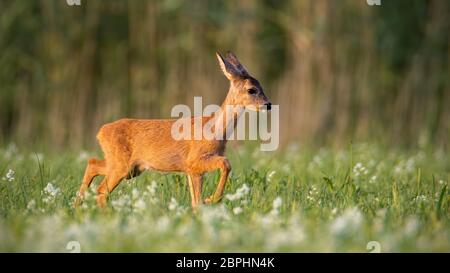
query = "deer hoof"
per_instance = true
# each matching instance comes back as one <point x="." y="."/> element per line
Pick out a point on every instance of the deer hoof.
<point x="210" y="200"/>
<point x="78" y="201"/>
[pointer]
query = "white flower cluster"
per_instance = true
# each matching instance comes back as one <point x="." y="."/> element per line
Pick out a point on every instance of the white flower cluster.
<point x="312" y="194"/>
<point x="420" y="199"/>
<point x="150" y="193"/>
<point x="138" y="200"/>
<point x="237" y="210"/>
<point x="276" y="204"/>
<point x="122" y="203"/>
<point x="290" y="234"/>
<point x="31" y="205"/>
<point x="138" y="203"/>
<point x="346" y="223"/>
<point x="239" y="194"/>
<point x="50" y="193"/>
<point x="89" y="198"/>
<point x="271" y="217"/>
<point x="407" y="166"/>
<point x="175" y="207"/>
<point x="211" y="214"/>
<point x="359" y="170"/>
<point x="173" y="204"/>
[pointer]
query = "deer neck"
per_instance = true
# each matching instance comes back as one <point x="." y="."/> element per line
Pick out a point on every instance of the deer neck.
<point x="226" y="118"/>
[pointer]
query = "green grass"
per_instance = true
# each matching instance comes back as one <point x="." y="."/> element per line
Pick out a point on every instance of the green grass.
<point x="297" y="200"/>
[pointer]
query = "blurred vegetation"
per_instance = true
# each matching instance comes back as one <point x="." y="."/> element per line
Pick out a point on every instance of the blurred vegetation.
<point x="340" y="70"/>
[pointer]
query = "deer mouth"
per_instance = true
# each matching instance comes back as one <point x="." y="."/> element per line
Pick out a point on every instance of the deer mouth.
<point x="265" y="107"/>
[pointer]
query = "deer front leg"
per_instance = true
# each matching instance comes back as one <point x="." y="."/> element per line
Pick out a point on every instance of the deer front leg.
<point x="195" y="188"/>
<point x="224" y="165"/>
<point x="110" y="182"/>
<point x="94" y="168"/>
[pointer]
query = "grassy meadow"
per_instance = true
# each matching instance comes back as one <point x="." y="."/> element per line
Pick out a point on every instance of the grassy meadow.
<point x="360" y="198"/>
<point x="338" y="70"/>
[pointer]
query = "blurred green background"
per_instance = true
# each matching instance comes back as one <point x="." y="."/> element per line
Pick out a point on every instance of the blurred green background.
<point x="340" y="70"/>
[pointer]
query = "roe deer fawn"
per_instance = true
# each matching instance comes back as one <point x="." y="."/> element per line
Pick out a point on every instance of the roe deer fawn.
<point x="131" y="146"/>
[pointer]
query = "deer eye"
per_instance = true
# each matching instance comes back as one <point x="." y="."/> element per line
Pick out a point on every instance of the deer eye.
<point x="251" y="91"/>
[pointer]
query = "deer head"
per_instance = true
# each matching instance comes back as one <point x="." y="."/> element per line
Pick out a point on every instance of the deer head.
<point x="245" y="91"/>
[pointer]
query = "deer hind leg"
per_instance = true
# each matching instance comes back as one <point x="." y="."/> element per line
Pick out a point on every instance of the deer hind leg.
<point x="222" y="163"/>
<point x="94" y="168"/>
<point x="195" y="189"/>
<point x="109" y="183"/>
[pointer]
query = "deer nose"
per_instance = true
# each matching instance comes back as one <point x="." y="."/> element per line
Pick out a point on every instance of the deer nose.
<point x="268" y="105"/>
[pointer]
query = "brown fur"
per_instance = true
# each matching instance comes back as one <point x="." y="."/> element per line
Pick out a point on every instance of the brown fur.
<point x="131" y="146"/>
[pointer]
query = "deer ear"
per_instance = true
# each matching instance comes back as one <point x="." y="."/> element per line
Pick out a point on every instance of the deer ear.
<point x="236" y="63"/>
<point x="227" y="68"/>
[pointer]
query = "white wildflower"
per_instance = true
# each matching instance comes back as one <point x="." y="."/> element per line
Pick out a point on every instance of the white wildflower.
<point x="267" y="220"/>
<point x="162" y="224"/>
<point x="31" y="205"/>
<point x="139" y="205"/>
<point x="151" y="191"/>
<point x="271" y="218"/>
<point x="407" y="167"/>
<point x="122" y="203"/>
<point x="270" y="175"/>
<point x="135" y="193"/>
<point x="312" y="193"/>
<point x="316" y="163"/>
<point x="173" y="205"/>
<point x="276" y="204"/>
<point x="398" y="169"/>
<point x="359" y="170"/>
<point x="82" y="156"/>
<point x="349" y="221"/>
<point x="237" y="210"/>
<point x="240" y="193"/>
<point x="9" y="176"/>
<point x="88" y="198"/>
<point x="291" y="235"/>
<point x="50" y="192"/>
<point x="373" y="179"/>
<point x="152" y="187"/>
<point x="317" y="160"/>
<point x="420" y="199"/>
<point x="215" y="213"/>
